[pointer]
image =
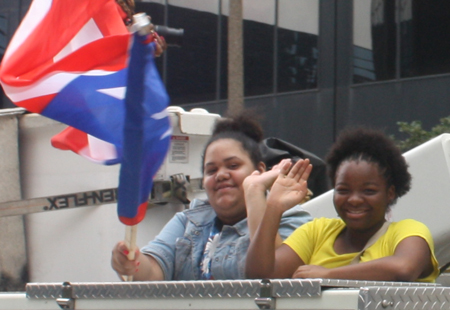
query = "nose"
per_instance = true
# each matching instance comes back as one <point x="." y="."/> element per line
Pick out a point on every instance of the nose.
<point x="222" y="174"/>
<point x="355" y="199"/>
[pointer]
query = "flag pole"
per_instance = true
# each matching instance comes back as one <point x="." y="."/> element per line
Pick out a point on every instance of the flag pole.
<point x="142" y="25"/>
<point x="130" y="242"/>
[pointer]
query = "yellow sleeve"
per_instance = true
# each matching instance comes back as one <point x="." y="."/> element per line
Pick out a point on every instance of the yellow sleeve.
<point x="409" y="228"/>
<point x="302" y="241"/>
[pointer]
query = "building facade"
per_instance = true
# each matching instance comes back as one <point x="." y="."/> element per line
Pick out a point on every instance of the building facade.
<point x="311" y="67"/>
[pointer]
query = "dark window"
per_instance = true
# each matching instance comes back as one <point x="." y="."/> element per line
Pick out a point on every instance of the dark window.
<point x="425" y="41"/>
<point x="198" y="71"/>
<point x="190" y="70"/>
<point x="374" y="38"/>
<point x="297" y="60"/>
<point x="258" y="58"/>
<point x="297" y="39"/>
<point x="385" y="49"/>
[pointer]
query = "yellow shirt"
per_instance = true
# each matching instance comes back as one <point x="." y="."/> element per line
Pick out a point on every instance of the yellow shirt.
<point x="314" y="243"/>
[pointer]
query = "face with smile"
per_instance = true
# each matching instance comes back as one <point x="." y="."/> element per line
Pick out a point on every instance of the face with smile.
<point x="361" y="195"/>
<point x="226" y="165"/>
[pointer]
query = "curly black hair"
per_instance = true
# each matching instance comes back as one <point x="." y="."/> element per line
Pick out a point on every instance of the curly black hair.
<point x="375" y="147"/>
<point x="244" y="127"/>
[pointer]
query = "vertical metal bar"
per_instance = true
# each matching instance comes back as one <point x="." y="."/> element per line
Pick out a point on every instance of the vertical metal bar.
<point x="235" y="57"/>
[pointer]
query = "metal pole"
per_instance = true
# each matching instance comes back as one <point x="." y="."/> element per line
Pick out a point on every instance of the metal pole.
<point x="13" y="254"/>
<point x="235" y="57"/>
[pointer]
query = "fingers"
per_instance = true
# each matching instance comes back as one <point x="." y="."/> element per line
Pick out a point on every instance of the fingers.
<point x="256" y="172"/>
<point x="307" y="172"/>
<point x="158" y="50"/>
<point x="120" y="262"/>
<point x="284" y="166"/>
<point x="300" y="272"/>
<point x="301" y="170"/>
<point x="281" y="164"/>
<point x="161" y="44"/>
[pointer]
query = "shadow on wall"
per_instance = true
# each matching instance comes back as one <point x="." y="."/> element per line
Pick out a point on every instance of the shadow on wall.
<point x="9" y="284"/>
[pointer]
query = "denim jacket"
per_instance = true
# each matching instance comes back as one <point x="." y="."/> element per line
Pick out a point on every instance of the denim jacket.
<point x="179" y="246"/>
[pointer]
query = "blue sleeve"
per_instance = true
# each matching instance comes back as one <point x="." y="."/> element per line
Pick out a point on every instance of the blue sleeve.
<point x="162" y="248"/>
<point x="292" y="219"/>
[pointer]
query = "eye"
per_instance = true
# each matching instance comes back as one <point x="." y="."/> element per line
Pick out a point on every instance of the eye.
<point x="341" y="191"/>
<point x="210" y="171"/>
<point x="233" y="166"/>
<point x="370" y="191"/>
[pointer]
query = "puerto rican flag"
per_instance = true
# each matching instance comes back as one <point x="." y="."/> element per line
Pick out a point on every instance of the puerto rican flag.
<point x="69" y="60"/>
<point x="51" y="63"/>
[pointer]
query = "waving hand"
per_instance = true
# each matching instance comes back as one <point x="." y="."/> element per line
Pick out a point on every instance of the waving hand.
<point x="290" y="188"/>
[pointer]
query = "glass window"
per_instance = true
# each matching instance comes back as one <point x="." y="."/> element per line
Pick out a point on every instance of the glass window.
<point x="298" y="30"/>
<point x="189" y="66"/>
<point x="374" y="40"/>
<point x="424" y="35"/>
<point x="258" y="34"/>
<point x="192" y="68"/>
<point x="419" y="46"/>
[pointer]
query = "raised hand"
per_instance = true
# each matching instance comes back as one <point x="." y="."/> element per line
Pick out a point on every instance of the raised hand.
<point x="264" y="180"/>
<point x="120" y="263"/>
<point x="290" y="187"/>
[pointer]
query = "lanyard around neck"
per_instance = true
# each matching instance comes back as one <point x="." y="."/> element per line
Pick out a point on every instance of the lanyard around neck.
<point x="370" y="242"/>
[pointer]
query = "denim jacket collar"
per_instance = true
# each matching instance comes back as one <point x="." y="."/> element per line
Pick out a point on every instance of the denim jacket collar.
<point x="200" y="213"/>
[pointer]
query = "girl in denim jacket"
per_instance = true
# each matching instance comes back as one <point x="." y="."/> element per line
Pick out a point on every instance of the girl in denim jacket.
<point x="211" y="238"/>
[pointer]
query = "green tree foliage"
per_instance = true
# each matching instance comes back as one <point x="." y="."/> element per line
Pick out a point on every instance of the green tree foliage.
<point x="418" y="135"/>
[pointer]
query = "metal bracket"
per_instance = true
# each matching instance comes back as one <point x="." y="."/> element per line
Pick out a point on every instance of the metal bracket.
<point x="66" y="301"/>
<point x="265" y="301"/>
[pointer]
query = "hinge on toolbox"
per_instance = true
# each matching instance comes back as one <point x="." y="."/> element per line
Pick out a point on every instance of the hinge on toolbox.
<point x="66" y="301"/>
<point x="265" y="301"/>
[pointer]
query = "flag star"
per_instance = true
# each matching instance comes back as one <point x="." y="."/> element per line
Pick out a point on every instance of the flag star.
<point x="116" y="92"/>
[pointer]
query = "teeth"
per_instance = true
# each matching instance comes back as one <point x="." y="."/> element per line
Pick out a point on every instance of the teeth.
<point x="356" y="211"/>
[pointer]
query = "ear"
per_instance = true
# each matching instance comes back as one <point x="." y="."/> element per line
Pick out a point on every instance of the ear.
<point x="391" y="193"/>
<point x="261" y="167"/>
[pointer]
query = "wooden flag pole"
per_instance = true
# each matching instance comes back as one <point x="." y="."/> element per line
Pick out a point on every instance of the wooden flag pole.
<point x="130" y="242"/>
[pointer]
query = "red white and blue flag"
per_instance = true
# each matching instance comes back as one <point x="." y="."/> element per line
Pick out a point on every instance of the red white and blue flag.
<point x="70" y="61"/>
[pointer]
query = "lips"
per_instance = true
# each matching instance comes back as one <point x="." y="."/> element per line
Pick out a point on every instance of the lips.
<point x="356" y="213"/>
<point x="223" y="186"/>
